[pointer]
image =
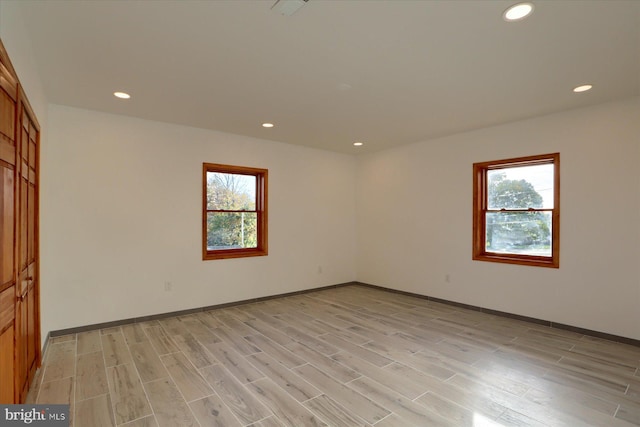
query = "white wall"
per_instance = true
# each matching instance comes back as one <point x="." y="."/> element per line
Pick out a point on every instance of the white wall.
<point x="414" y="215"/>
<point x="123" y="200"/>
<point x="17" y="42"/>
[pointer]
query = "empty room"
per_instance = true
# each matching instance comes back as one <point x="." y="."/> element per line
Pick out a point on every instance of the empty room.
<point x="320" y="213"/>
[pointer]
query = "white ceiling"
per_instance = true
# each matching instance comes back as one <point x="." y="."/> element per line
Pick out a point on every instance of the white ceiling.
<point x="382" y="72"/>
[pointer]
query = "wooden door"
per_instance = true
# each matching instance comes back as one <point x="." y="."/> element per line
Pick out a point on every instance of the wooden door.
<point x="8" y="102"/>
<point x="27" y="308"/>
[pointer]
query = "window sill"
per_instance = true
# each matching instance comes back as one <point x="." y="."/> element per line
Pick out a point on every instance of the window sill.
<point x="532" y="261"/>
<point x="233" y="253"/>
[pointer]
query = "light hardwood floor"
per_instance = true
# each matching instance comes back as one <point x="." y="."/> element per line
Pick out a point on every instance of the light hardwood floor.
<point x="350" y="356"/>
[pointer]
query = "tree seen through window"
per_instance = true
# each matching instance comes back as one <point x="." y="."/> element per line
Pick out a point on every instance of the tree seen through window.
<point x="233" y="225"/>
<point x="516" y="210"/>
<point x="526" y="232"/>
<point x="235" y="211"/>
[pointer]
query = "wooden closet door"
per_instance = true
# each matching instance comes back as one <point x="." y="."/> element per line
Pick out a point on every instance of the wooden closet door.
<point x="28" y="298"/>
<point x="8" y="99"/>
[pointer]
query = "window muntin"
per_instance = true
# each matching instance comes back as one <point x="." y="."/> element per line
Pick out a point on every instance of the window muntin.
<point x="516" y="211"/>
<point x="235" y="211"/>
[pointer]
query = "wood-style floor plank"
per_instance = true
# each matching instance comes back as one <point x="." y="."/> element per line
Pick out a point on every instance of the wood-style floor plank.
<point x="161" y="342"/>
<point x="302" y="322"/>
<point x="174" y="326"/>
<point x="59" y="392"/>
<point x="168" y="404"/>
<point x="298" y="388"/>
<point x="447" y="409"/>
<point x="239" y="367"/>
<point x="134" y="333"/>
<point x="186" y="377"/>
<point x="199" y="329"/>
<point x="194" y="350"/>
<point x="329" y="366"/>
<point x="402" y="384"/>
<point x="147" y="362"/>
<point x="288" y="411"/>
<point x="333" y="413"/>
<point x="95" y="412"/>
<point x="240" y="401"/>
<point x="268" y="331"/>
<point x="268" y="422"/>
<point x="234" y="339"/>
<point x="286" y="357"/>
<point x="127" y="395"/>
<point x="61" y="349"/>
<point x="230" y="319"/>
<point x="212" y="412"/>
<point x="313" y="343"/>
<point x="89" y="342"/>
<point x="149" y="421"/>
<point x="346" y="356"/>
<point x="91" y="376"/>
<point x="60" y="367"/>
<point x="359" y="351"/>
<point x="412" y="413"/>
<point x="630" y="413"/>
<point x="115" y="349"/>
<point x="356" y="402"/>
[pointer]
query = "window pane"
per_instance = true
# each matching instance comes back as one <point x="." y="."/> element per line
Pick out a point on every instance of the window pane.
<point x="527" y="233"/>
<point x="226" y="191"/>
<point x="231" y="230"/>
<point x="520" y="187"/>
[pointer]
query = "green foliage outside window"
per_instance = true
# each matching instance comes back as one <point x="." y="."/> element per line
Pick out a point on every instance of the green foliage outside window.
<point x="513" y="231"/>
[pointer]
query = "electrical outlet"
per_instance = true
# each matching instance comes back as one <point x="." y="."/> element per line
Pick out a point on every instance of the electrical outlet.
<point x="319" y="269"/>
<point x="447" y="278"/>
<point x="168" y="286"/>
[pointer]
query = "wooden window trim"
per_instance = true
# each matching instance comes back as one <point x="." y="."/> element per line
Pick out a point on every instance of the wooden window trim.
<point x="479" y="212"/>
<point x="262" y="176"/>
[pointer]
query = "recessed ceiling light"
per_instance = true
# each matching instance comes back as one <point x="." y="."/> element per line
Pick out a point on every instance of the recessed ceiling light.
<point x="121" y="95"/>
<point x="517" y="12"/>
<point x="267" y="125"/>
<point x="582" y="88"/>
<point x="358" y="144"/>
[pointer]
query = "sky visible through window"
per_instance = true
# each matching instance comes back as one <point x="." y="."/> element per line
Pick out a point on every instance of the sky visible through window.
<point x="245" y="184"/>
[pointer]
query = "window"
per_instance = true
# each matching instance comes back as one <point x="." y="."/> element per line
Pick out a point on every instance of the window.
<point x="234" y="220"/>
<point x="516" y="211"/>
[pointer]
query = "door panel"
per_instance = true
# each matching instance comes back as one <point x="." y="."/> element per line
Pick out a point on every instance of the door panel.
<point x="31" y="223"/>
<point x="31" y="329"/>
<point x="7" y="333"/>
<point x="24" y="187"/>
<point x="6" y="364"/>
<point x="21" y="359"/>
<point x="19" y="266"/>
<point x="8" y="200"/>
<point x="28" y="295"/>
<point x="7" y="121"/>
<point x="6" y="226"/>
